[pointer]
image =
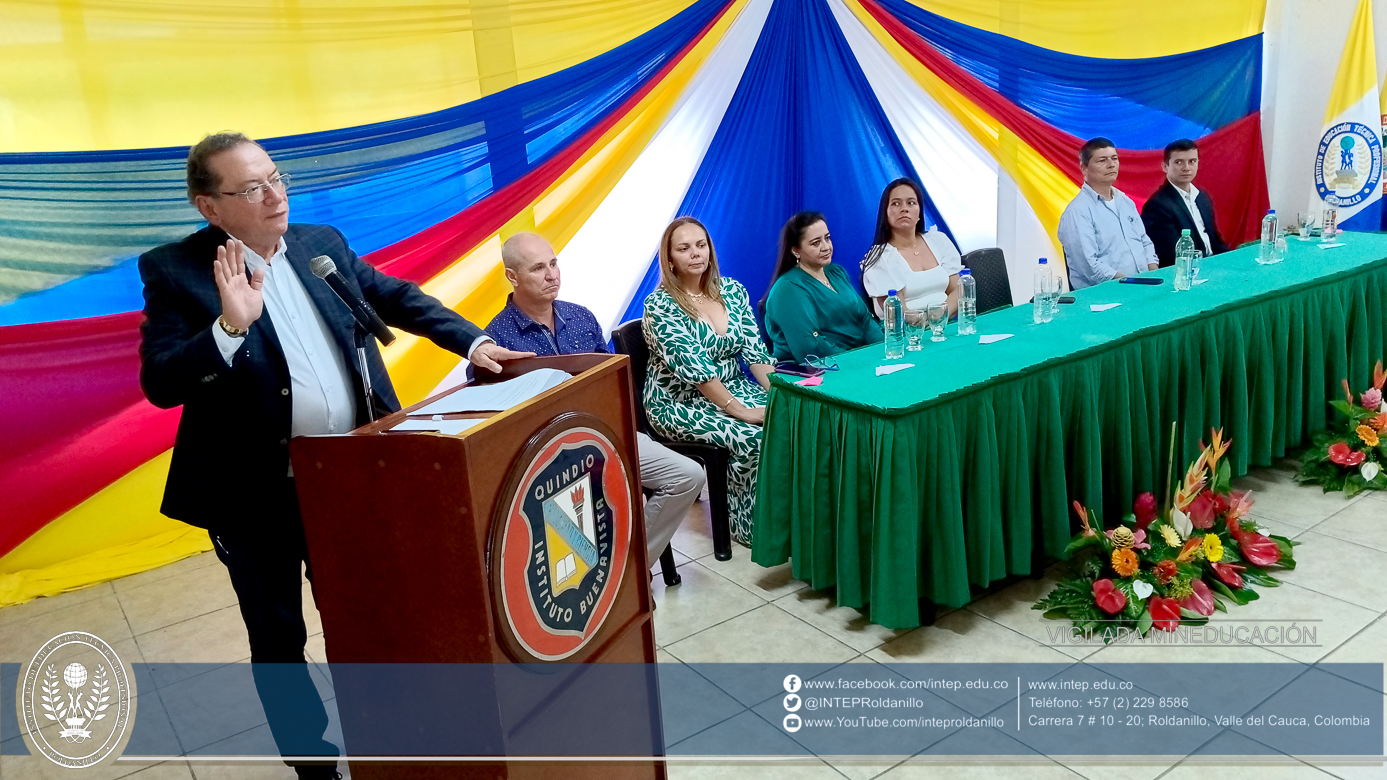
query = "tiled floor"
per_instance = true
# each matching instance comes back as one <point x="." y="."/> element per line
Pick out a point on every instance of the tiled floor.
<point x="737" y="611"/>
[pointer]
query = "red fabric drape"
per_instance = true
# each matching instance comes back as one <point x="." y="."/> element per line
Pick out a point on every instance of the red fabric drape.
<point x="1232" y="166"/>
<point x="84" y="421"/>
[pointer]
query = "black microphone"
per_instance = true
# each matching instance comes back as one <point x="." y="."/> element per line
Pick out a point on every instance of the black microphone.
<point x="323" y="268"/>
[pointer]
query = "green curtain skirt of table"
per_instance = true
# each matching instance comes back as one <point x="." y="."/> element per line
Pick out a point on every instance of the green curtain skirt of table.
<point x="842" y="490"/>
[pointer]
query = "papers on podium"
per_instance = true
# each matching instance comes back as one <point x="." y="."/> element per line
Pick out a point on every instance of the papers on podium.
<point x="497" y="397"/>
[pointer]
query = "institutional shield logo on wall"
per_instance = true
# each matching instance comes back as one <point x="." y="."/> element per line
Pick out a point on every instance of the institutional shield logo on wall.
<point x="1348" y="163"/>
<point x="76" y="700"/>
<point x="561" y="538"/>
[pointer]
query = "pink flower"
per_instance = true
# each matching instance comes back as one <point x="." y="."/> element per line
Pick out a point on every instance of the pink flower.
<point x="1372" y="399"/>
<point x="1145" y="510"/>
<point x="1241" y="504"/>
<point x="1201" y="601"/>
<point x="1342" y="454"/>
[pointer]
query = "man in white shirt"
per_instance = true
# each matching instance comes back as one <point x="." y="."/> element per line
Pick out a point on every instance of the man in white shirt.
<point x="257" y="350"/>
<point x="1178" y="205"/>
<point x="1101" y="232"/>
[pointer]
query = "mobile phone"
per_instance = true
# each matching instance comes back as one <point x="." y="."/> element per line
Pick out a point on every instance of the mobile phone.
<point x="1066" y="299"/>
<point x="1140" y="280"/>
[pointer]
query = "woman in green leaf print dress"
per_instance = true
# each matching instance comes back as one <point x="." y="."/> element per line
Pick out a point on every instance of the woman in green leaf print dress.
<point x="697" y="324"/>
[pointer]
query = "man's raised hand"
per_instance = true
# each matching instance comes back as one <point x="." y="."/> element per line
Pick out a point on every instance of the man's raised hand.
<point x="242" y="301"/>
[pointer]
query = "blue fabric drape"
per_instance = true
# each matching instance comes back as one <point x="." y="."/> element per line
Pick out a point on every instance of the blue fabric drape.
<point x="803" y="131"/>
<point x="1138" y="103"/>
<point x="67" y="215"/>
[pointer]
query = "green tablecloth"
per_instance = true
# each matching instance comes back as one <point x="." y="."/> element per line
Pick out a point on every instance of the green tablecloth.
<point x="958" y="471"/>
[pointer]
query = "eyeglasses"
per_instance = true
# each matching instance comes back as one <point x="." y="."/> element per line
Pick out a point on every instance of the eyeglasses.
<point x="825" y="363"/>
<point x="256" y="194"/>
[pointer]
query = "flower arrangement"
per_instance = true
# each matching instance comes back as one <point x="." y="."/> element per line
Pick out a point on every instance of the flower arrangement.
<point x="1161" y="569"/>
<point x="1354" y="458"/>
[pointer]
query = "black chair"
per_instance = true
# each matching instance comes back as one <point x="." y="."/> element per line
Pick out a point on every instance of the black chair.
<point x="630" y="341"/>
<point x="989" y="267"/>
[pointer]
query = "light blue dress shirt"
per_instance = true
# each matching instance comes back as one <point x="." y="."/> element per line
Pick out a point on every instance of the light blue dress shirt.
<point x="1103" y="238"/>
<point x="321" y="385"/>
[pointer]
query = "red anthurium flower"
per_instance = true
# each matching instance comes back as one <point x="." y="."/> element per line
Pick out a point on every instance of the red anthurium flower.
<point x="1165" y="613"/>
<point x="1230" y="573"/>
<point x="1108" y="597"/>
<point x="1342" y="454"/>
<point x="1204" y="510"/>
<point x="1201" y="601"/>
<point x="1145" y="510"/>
<point x="1259" y="550"/>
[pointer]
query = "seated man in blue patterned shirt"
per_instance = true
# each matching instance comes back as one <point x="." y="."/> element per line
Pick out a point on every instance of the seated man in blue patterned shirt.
<point x="535" y="318"/>
<point x="1101" y="232"/>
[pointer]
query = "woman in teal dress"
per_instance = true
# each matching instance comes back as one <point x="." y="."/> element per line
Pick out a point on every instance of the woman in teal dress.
<point x="697" y="324"/>
<point x="812" y="307"/>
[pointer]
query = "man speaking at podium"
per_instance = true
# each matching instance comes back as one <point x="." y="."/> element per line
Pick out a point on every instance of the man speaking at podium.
<point x="257" y="350"/>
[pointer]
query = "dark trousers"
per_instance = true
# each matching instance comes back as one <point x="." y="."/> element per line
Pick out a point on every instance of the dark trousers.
<point x="264" y="560"/>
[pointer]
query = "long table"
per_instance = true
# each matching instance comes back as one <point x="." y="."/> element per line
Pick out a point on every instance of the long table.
<point x="960" y="470"/>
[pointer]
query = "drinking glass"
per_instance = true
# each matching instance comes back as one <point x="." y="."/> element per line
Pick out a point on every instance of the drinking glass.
<point x="914" y="329"/>
<point x="938" y="316"/>
<point x="1307" y="224"/>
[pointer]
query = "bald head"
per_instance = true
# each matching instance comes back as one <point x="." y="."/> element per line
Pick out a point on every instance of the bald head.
<point x="532" y="269"/>
<point x="524" y="246"/>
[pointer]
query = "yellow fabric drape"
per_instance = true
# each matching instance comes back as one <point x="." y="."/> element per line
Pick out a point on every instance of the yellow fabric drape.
<point x="1100" y="28"/>
<point x="115" y="533"/>
<point x="84" y="75"/>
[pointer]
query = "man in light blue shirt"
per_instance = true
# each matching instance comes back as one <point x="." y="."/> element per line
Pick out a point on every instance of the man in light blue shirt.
<point x="1101" y="231"/>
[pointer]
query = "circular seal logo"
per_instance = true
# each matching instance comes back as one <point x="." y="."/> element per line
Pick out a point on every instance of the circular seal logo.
<point x="561" y="538"/>
<point x="1348" y="163"/>
<point x="75" y="700"/>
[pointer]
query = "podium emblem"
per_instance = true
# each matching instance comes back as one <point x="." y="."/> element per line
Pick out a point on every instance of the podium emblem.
<point x="564" y="539"/>
<point x="75" y="700"/>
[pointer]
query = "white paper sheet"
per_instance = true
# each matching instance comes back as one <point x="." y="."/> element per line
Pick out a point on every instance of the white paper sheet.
<point x="449" y="427"/>
<point x="497" y="397"/>
<point x="884" y="370"/>
<point x="994" y="338"/>
<point x="1331" y="246"/>
<point x="1103" y="306"/>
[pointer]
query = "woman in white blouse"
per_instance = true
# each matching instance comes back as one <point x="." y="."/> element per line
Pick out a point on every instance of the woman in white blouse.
<point x="920" y="265"/>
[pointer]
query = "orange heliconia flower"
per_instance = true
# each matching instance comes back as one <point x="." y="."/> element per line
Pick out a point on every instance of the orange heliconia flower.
<point x="1379" y="376"/>
<point x="1125" y="562"/>
<point x="1378" y="423"/>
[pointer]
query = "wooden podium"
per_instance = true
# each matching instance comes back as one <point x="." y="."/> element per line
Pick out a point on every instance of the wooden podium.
<point x="500" y="545"/>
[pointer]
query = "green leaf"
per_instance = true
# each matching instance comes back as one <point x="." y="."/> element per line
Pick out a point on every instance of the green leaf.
<point x="1057" y="614"/>
<point x="1143" y="626"/>
<point x="1354" y="485"/>
<point x="1258" y="577"/>
<point x="1241" y="596"/>
<point x="1080" y="542"/>
<point x="1224" y="478"/>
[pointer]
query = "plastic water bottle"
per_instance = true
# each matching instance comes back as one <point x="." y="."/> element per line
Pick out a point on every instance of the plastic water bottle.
<point x="1046" y="293"/>
<point x="1266" y="252"/>
<point x="1331" y="218"/>
<point x="1184" y="261"/>
<point x="894" y="321"/>
<point x="967" y="303"/>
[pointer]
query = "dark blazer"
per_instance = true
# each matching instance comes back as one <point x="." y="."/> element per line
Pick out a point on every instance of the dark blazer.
<point x="1165" y="216"/>
<point x="234" y="432"/>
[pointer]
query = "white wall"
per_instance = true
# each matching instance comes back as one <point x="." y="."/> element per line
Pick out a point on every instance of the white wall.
<point x="1304" y="41"/>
